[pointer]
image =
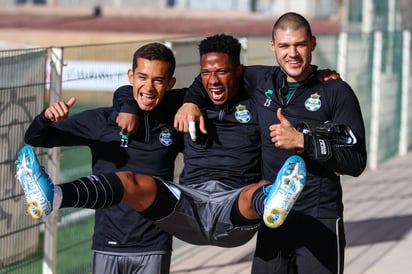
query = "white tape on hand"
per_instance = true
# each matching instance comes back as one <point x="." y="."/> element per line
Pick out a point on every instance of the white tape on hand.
<point x="192" y="130"/>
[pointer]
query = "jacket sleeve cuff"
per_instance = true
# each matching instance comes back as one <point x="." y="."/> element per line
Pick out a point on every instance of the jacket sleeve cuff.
<point x="316" y="149"/>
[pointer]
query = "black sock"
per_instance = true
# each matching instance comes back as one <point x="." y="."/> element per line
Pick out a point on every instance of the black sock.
<point x="238" y="219"/>
<point x="258" y="201"/>
<point x="163" y="205"/>
<point x="94" y="191"/>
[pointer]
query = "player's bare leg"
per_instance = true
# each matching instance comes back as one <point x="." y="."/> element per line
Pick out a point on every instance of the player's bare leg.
<point x="139" y="190"/>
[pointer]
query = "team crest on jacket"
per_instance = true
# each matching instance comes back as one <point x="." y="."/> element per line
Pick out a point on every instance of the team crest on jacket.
<point x="242" y="114"/>
<point x="165" y="137"/>
<point x="313" y="103"/>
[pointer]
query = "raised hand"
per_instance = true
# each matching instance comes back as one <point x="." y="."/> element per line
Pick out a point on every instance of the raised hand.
<point x="60" y="110"/>
<point x="327" y="74"/>
<point x="284" y="135"/>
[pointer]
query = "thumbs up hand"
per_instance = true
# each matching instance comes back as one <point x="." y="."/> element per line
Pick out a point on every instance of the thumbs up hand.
<point x="284" y="135"/>
<point x="59" y="110"/>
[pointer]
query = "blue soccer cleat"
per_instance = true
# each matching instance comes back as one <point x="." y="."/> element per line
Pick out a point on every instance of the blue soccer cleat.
<point x="284" y="192"/>
<point x="37" y="186"/>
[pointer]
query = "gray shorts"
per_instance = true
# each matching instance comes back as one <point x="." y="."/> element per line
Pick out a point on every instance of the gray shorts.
<point x="202" y="215"/>
<point x="142" y="263"/>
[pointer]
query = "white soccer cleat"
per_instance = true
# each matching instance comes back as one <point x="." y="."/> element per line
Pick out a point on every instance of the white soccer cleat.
<point x="37" y="186"/>
<point x="284" y="191"/>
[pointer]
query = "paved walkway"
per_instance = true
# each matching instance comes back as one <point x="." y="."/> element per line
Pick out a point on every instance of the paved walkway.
<point x="378" y="215"/>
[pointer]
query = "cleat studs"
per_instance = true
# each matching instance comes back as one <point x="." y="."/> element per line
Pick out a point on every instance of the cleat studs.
<point x="34" y="209"/>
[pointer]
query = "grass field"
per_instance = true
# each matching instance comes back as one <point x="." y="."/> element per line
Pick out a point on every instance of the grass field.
<point x="73" y="251"/>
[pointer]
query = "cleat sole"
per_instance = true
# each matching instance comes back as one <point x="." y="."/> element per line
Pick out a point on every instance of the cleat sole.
<point x="285" y="191"/>
<point x="34" y="208"/>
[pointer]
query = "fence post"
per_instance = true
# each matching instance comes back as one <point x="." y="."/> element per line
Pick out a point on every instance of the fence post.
<point x="50" y="231"/>
<point x="403" y="135"/>
<point x="244" y="50"/>
<point x="376" y="94"/>
<point x="342" y="54"/>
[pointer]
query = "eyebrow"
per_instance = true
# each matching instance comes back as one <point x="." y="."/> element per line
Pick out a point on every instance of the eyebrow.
<point x="294" y="43"/>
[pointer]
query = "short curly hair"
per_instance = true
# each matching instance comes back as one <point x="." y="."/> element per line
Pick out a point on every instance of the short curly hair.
<point x="222" y="43"/>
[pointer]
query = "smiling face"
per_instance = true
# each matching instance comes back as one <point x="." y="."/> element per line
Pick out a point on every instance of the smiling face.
<point x="293" y="49"/>
<point x="150" y="81"/>
<point x="220" y="77"/>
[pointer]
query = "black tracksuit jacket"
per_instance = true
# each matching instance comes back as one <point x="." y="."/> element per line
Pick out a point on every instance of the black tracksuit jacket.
<point x="267" y="87"/>
<point x="229" y="152"/>
<point x="151" y="150"/>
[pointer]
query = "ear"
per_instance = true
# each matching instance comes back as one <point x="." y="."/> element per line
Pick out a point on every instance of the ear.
<point x="130" y="75"/>
<point x="239" y="70"/>
<point x="313" y="41"/>
<point x="272" y="45"/>
<point x="171" y="84"/>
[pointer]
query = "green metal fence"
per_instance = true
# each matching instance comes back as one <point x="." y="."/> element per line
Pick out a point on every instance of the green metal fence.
<point x="21" y="98"/>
